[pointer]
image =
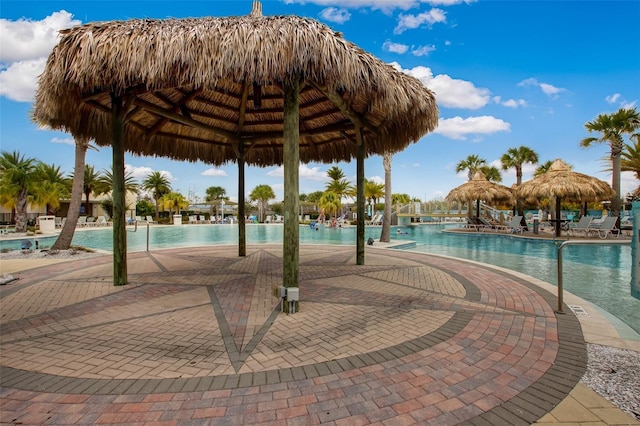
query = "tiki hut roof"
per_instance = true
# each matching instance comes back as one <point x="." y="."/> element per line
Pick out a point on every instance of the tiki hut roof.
<point x="479" y="188"/>
<point x="561" y="181"/>
<point x="198" y="88"/>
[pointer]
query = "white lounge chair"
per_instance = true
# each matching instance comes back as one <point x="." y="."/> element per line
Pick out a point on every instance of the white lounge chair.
<point x="82" y="222"/>
<point x="581" y="228"/>
<point x="150" y="219"/>
<point x="606" y="228"/>
<point x="513" y="226"/>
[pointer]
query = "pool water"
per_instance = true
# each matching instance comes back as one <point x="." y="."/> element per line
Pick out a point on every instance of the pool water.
<point x="600" y="274"/>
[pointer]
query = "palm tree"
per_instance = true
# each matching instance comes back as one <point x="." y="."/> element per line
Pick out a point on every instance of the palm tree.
<point x="52" y="186"/>
<point x="174" y="201"/>
<point x="105" y="183"/>
<point x="515" y="158"/>
<point x="158" y="184"/>
<point x="630" y="159"/>
<point x="262" y="194"/>
<point x="471" y="164"/>
<point x="491" y="173"/>
<point x="612" y="128"/>
<point x="63" y="242"/>
<point x="543" y="168"/>
<point x="18" y="177"/>
<point x="91" y="180"/>
<point x="373" y="192"/>
<point x="385" y="233"/>
<point x="330" y="203"/>
<point x="214" y="193"/>
<point x="335" y="173"/>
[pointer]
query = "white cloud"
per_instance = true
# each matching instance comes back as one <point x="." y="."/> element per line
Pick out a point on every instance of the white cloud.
<point x="304" y="172"/>
<point x="450" y="92"/>
<point x="332" y="14"/>
<point x="460" y="128"/>
<point x="409" y="22"/>
<point x="67" y="141"/>
<point x="24" y="47"/>
<point x="422" y="50"/>
<point x="376" y="179"/>
<point x="25" y="39"/>
<point x="142" y="172"/>
<point x="416" y="164"/>
<point x="510" y="103"/>
<point x="612" y="99"/>
<point x="18" y="82"/>
<point x="214" y="172"/>
<point x="386" y="6"/>
<point x="546" y="88"/>
<point x="395" y="47"/>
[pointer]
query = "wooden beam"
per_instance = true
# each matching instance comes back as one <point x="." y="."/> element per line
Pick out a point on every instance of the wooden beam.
<point x="360" y="245"/>
<point x="337" y="100"/>
<point x="291" y="156"/>
<point x="184" y="120"/>
<point x="118" y="193"/>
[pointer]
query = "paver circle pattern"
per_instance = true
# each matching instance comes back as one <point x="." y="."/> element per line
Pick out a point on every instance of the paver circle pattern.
<point x="198" y="334"/>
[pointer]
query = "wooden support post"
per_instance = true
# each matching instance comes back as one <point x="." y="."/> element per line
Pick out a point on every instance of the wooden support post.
<point x="242" y="233"/>
<point x="291" y="157"/>
<point x="360" y="244"/>
<point x="118" y="194"/>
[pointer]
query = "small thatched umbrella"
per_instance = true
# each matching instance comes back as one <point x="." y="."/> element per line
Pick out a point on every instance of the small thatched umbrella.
<point x="252" y="89"/>
<point x="479" y="188"/>
<point x="560" y="182"/>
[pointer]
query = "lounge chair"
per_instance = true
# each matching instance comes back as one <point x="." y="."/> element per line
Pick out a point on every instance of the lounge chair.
<point x="582" y="227"/>
<point x="373" y="220"/>
<point x="606" y="228"/>
<point x="513" y="226"/>
<point x="150" y="220"/>
<point x="101" y="221"/>
<point x="82" y="222"/>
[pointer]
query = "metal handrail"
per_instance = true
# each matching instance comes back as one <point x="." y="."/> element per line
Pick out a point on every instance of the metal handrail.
<point x="577" y="242"/>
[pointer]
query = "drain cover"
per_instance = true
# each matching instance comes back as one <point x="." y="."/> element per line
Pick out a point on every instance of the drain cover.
<point x="578" y="310"/>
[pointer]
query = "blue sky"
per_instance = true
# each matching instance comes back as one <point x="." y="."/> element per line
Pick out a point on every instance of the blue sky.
<point x="505" y="74"/>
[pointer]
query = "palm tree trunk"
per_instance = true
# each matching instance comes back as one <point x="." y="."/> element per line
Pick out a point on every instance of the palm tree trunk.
<point x="66" y="234"/>
<point x="21" y="211"/>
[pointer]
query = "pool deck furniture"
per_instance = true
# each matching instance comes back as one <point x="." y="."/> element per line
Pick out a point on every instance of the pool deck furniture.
<point x="197" y="336"/>
<point x="581" y="228"/>
<point x="607" y="228"/>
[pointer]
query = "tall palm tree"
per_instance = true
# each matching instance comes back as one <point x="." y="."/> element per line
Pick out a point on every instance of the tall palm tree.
<point x="630" y="159"/>
<point x="335" y="173"/>
<point x="18" y="177"/>
<point x="215" y="192"/>
<point x="158" y="184"/>
<point x="262" y="194"/>
<point x="471" y="164"/>
<point x="105" y="183"/>
<point x="515" y="158"/>
<point x="612" y="128"/>
<point x="52" y="187"/>
<point x="385" y="233"/>
<point x="63" y="242"/>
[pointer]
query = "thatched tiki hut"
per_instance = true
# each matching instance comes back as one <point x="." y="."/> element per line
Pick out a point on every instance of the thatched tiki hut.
<point x="480" y="189"/>
<point x="253" y="90"/>
<point x="562" y="183"/>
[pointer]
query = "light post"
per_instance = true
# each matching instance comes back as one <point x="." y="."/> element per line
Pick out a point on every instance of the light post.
<point x="222" y="208"/>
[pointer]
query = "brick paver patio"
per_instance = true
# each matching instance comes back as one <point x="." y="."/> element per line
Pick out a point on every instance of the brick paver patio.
<point x="197" y="338"/>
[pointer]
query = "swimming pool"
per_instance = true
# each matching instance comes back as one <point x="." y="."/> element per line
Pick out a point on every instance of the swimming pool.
<point x="598" y="273"/>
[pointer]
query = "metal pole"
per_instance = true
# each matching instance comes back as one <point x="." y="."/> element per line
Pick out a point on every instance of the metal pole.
<point x="576" y="242"/>
<point x="147" y="236"/>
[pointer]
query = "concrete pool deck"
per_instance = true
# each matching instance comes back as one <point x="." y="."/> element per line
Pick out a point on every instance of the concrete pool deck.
<point x="196" y="337"/>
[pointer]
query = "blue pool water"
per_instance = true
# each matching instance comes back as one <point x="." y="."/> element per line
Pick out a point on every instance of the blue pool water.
<point x="598" y="273"/>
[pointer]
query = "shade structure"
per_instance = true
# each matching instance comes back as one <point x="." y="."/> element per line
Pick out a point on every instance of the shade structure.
<point x="254" y="90"/>
<point x="480" y="189"/>
<point x="562" y="183"/>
